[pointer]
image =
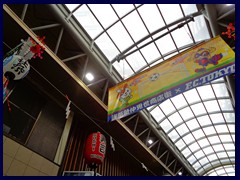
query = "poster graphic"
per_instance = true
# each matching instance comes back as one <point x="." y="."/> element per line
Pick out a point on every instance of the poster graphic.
<point x="201" y="64"/>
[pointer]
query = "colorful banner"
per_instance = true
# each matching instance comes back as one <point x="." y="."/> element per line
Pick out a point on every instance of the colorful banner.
<point x="201" y="64"/>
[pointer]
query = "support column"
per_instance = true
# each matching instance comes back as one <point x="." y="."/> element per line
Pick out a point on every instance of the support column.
<point x="212" y="19"/>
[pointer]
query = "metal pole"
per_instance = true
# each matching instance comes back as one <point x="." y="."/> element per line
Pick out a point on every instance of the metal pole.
<point x="212" y="19"/>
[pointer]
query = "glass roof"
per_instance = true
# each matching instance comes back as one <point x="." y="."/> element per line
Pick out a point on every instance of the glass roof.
<point x="201" y="121"/>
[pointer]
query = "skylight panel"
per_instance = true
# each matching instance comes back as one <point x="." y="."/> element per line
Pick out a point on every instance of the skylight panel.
<point x="122" y="9"/>
<point x="135" y="26"/>
<point x="165" y="43"/>
<point x="88" y="21"/>
<point x="170" y="12"/>
<point x="189" y="8"/>
<point x="209" y="130"/>
<point x="188" y="138"/>
<point x="120" y="36"/>
<point x="198" y="109"/>
<point x="217" y="118"/>
<point x="71" y="7"/>
<point x="203" y="142"/>
<point x="198" y="134"/>
<point x="166" y="125"/>
<point x="192" y="124"/>
<point x="199" y="29"/>
<point x="182" y="129"/>
<point x="179" y="101"/>
<point x="192" y="96"/>
<point x="104" y="13"/>
<point x="186" y="152"/>
<point x="199" y="154"/>
<point x="123" y="69"/>
<point x="212" y="106"/>
<point x="229" y="146"/>
<point x="167" y="107"/>
<point x="150" y="52"/>
<point x="182" y="36"/>
<point x="214" y="139"/>
<point x="186" y="113"/>
<point x="230" y="117"/>
<point x="107" y="47"/>
<point x="157" y="114"/>
<point x="220" y="90"/>
<point x="180" y="144"/>
<point x="136" y="61"/>
<point x="175" y="119"/>
<point x="204" y="120"/>
<point x="173" y="135"/>
<point x="221" y="128"/>
<point x="206" y="92"/>
<point x="225" y="104"/>
<point x="194" y="147"/>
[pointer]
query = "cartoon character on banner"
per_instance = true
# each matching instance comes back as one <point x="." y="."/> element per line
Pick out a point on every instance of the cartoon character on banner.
<point x="16" y="65"/>
<point x="124" y="95"/>
<point x="203" y="58"/>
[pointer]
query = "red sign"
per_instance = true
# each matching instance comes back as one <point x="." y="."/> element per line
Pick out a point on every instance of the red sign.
<point x="95" y="148"/>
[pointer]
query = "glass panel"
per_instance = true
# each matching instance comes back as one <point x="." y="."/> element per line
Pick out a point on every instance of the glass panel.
<point x="150" y="52"/>
<point x="231" y="153"/>
<point x="199" y="29"/>
<point x="194" y="147"/>
<point x="123" y="69"/>
<point x="209" y="130"/>
<point x="175" y="119"/>
<point x="182" y="129"/>
<point x="203" y="161"/>
<point x="212" y="106"/>
<point x="88" y="21"/>
<point x="192" y="96"/>
<point x="218" y="147"/>
<point x="71" y="6"/>
<point x="208" y="150"/>
<point x="221" y="154"/>
<point x="191" y="159"/>
<point x="123" y="9"/>
<point x="225" y="104"/>
<point x="231" y="128"/>
<point x="170" y="12"/>
<point x="180" y="144"/>
<point x="107" y="47"/>
<point x="192" y="124"/>
<point x="167" y="107"/>
<point x="136" y="61"/>
<point x="220" y="90"/>
<point x="199" y="154"/>
<point x="123" y="41"/>
<point x="136" y="29"/>
<point x="196" y="165"/>
<point x="198" y="133"/>
<point x="212" y="157"/>
<point x="217" y="118"/>
<point x="166" y="126"/>
<point x="189" y="8"/>
<point x="198" y="109"/>
<point x="186" y="152"/>
<point x="186" y="113"/>
<point x="165" y="44"/>
<point x="173" y="135"/>
<point x="188" y="138"/>
<point x="104" y="13"/>
<point x="203" y="142"/>
<point x="179" y="101"/>
<point x="157" y="114"/>
<point x="229" y="146"/>
<point x="204" y="120"/>
<point x="206" y="92"/>
<point x="182" y="36"/>
<point x="214" y="139"/>
<point x="150" y="13"/>
<point x="221" y="129"/>
<point x="230" y="117"/>
<point x="225" y="138"/>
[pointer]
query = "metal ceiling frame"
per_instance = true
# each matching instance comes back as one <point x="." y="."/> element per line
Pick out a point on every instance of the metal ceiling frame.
<point x="68" y="24"/>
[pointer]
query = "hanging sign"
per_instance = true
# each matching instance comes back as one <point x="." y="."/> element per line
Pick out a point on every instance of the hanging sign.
<point x="201" y="64"/>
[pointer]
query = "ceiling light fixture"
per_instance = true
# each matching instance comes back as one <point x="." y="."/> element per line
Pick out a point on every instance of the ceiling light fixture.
<point x="89" y="76"/>
<point x="150" y="141"/>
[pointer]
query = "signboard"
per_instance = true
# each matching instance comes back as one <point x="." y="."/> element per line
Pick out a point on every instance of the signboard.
<point x="201" y="64"/>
